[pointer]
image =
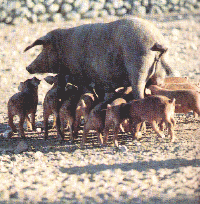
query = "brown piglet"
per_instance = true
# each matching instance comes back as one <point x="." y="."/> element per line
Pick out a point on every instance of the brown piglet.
<point x="186" y="100"/>
<point x="154" y="110"/>
<point x="86" y="102"/>
<point x="24" y="103"/>
<point x="114" y="117"/>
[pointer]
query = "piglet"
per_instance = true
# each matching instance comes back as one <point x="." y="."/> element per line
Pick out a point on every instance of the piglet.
<point x="154" y="110"/>
<point x="52" y="104"/>
<point x="114" y="117"/>
<point x="96" y="121"/>
<point x="86" y="103"/>
<point x="68" y="110"/>
<point x="24" y="103"/>
<point x="186" y="100"/>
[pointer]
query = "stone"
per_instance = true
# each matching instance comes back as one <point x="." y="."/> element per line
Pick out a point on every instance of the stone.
<point x="72" y="16"/>
<point x="65" y="8"/>
<point x="57" y="17"/>
<point x="30" y="4"/>
<point x="174" y="1"/>
<point x="91" y="14"/>
<point x="117" y="4"/>
<point x="77" y="3"/>
<point x="43" y="18"/>
<point x="68" y="1"/>
<point x="103" y="13"/>
<point x="39" y="9"/>
<point x="3" y="15"/>
<point x="84" y="7"/>
<point x="127" y="5"/>
<point x="53" y="8"/>
<point x="121" y="11"/>
<point x="48" y="2"/>
<point x="96" y="5"/>
<point x="21" y="147"/>
<point x="156" y="10"/>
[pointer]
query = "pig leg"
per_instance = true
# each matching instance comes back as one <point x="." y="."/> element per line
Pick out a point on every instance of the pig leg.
<point x="54" y="121"/>
<point x="21" y="123"/>
<point x="85" y="134"/>
<point x="136" y="129"/>
<point x="33" y="121"/>
<point x="62" y="124"/>
<point x="59" y="133"/>
<point x="171" y="125"/>
<point x="29" y="125"/>
<point x="106" y="134"/>
<point x="46" y="117"/>
<point x="70" y="122"/>
<point x="156" y="129"/>
<point x="76" y="125"/>
<point x="196" y="108"/>
<point x="100" y="138"/>
<point x="195" y="115"/>
<point x="139" y="69"/>
<point x="115" y="136"/>
<point x="10" y="122"/>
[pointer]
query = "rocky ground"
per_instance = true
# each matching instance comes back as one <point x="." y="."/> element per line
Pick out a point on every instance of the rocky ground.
<point x="148" y="171"/>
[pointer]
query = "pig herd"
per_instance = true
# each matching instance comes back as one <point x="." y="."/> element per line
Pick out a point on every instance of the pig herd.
<point x="118" y="113"/>
<point x="109" y="74"/>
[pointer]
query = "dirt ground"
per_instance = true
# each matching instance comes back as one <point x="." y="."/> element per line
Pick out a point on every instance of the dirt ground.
<point x="181" y="158"/>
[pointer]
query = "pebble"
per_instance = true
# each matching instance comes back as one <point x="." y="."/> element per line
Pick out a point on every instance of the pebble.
<point x="21" y="147"/>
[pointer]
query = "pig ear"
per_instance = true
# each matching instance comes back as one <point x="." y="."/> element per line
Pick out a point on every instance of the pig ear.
<point x="158" y="47"/>
<point x="20" y="87"/>
<point x="83" y="103"/>
<point x="49" y="79"/>
<point x="35" y="81"/>
<point x="147" y="91"/>
<point x="41" y="41"/>
<point x="172" y="101"/>
<point x="109" y="106"/>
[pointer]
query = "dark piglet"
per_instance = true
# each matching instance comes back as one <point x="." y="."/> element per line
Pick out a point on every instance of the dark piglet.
<point x="24" y="103"/>
<point x="68" y="110"/>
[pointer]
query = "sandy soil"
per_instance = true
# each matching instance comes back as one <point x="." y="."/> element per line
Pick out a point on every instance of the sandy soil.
<point x="149" y="171"/>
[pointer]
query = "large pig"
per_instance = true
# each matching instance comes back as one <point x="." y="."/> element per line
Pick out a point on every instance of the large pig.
<point x="111" y="55"/>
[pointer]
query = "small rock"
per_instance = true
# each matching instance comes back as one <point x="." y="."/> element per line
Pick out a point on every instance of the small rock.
<point x="123" y="148"/>
<point x="21" y="147"/>
<point x="38" y="154"/>
<point x="8" y="133"/>
<point x="39" y="130"/>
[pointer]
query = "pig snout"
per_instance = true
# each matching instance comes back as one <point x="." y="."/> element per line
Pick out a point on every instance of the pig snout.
<point x="30" y="69"/>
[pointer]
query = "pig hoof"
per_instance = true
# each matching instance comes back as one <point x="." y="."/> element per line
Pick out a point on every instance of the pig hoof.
<point x="83" y="147"/>
<point x="173" y="140"/>
<point x="162" y="135"/>
<point x="8" y="134"/>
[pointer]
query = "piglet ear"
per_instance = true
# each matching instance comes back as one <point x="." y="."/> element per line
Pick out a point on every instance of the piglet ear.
<point x="41" y="41"/>
<point x="20" y="87"/>
<point x="83" y="103"/>
<point x="49" y="79"/>
<point x="35" y="81"/>
<point x="172" y="101"/>
<point x="108" y="106"/>
<point x="147" y="91"/>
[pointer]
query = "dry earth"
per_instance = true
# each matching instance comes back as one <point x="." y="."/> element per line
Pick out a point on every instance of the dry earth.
<point x="149" y="171"/>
